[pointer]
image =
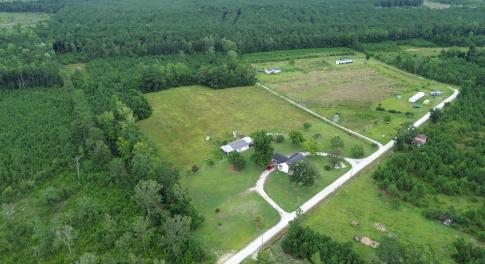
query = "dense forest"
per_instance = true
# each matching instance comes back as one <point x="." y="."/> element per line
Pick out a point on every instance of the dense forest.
<point x="161" y="27"/>
<point x="80" y="183"/>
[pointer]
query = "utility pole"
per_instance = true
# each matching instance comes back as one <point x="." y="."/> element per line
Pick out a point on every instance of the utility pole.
<point x="77" y="167"/>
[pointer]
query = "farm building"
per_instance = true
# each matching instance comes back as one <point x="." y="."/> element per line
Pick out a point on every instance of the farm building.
<point x="272" y="71"/>
<point x="240" y="145"/>
<point x="283" y="162"/>
<point x="435" y="93"/>
<point x="343" y="61"/>
<point x="420" y="140"/>
<point x="416" y="97"/>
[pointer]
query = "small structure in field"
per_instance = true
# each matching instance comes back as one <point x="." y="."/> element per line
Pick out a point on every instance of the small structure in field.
<point x="446" y="220"/>
<point x="398" y="97"/>
<point x="273" y="70"/>
<point x="426" y="102"/>
<point x="416" y="97"/>
<point x="336" y="118"/>
<point x="283" y="163"/>
<point x="240" y="145"/>
<point x="420" y="140"/>
<point x="436" y="93"/>
<point x="343" y="61"/>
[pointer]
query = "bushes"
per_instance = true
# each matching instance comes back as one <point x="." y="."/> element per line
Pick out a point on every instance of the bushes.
<point x="237" y="160"/>
<point x="467" y="253"/>
<point x="357" y="151"/>
<point x="303" y="243"/>
<point x="296" y="137"/>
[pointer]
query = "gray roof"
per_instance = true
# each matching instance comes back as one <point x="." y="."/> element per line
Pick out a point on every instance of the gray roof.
<point x="280" y="158"/>
<point x="295" y="158"/>
<point x="238" y="144"/>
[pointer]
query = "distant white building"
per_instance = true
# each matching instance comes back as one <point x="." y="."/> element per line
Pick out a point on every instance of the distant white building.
<point x="240" y="145"/>
<point x="416" y="97"/>
<point x="343" y="61"/>
<point x="272" y="71"/>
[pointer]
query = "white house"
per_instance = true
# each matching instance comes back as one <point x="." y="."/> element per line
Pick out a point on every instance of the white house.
<point x="240" y="145"/>
<point x="284" y="163"/>
<point x="416" y="97"/>
<point x="343" y="61"/>
<point x="272" y="71"/>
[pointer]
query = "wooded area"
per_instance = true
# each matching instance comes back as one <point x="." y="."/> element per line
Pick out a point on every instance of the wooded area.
<point x="79" y="182"/>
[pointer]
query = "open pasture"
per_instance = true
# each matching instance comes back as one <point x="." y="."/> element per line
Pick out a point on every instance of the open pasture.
<point x="184" y="117"/>
<point x="354" y="92"/>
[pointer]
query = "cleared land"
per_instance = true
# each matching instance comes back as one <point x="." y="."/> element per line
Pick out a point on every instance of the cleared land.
<point x="183" y="118"/>
<point x="354" y="91"/>
<point x="230" y="210"/>
<point x="8" y="19"/>
<point x="289" y="195"/>
<point x="361" y="201"/>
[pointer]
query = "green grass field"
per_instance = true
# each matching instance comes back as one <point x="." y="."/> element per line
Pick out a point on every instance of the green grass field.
<point x="8" y="19"/>
<point x="183" y="118"/>
<point x="289" y="195"/>
<point x="353" y="91"/>
<point x="221" y="195"/>
<point x="361" y="201"/>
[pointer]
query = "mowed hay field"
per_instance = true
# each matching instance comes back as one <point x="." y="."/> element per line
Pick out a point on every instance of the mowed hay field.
<point x="8" y="19"/>
<point x="183" y="117"/>
<point x="361" y="201"/>
<point x="354" y="91"/>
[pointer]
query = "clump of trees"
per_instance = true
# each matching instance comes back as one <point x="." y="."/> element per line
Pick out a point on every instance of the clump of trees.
<point x="303" y="173"/>
<point x="263" y="151"/>
<point x="237" y="160"/>
<point x="304" y="243"/>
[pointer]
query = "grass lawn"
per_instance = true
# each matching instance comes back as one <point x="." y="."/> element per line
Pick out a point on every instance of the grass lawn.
<point x="183" y="117"/>
<point x="233" y="225"/>
<point x="363" y="202"/>
<point x="290" y="195"/>
<point x="8" y="19"/>
<point x="353" y="91"/>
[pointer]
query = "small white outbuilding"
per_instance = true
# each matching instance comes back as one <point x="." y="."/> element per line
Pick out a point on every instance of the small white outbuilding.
<point x="416" y="97"/>
<point x="240" y="145"/>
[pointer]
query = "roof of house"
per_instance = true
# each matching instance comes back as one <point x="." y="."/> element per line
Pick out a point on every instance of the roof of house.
<point x="238" y="144"/>
<point x="280" y="158"/>
<point x="295" y="158"/>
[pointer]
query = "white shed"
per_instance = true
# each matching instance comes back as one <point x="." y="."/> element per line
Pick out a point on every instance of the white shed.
<point x="343" y="61"/>
<point x="240" y="145"/>
<point x="416" y="97"/>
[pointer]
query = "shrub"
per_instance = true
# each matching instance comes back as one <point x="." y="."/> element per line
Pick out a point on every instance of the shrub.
<point x="296" y="137"/>
<point x="380" y="108"/>
<point x="357" y="151"/>
<point x="195" y="168"/>
<point x="307" y="125"/>
<point x="237" y="161"/>
<point x="279" y="138"/>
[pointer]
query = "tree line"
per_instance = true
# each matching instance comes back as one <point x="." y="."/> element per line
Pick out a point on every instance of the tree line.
<point x="104" y="29"/>
<point x="398" y="3"/>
